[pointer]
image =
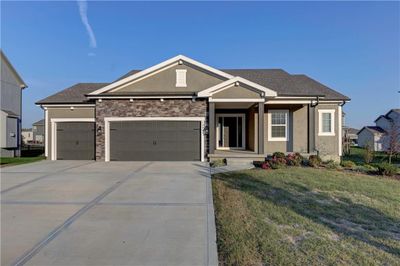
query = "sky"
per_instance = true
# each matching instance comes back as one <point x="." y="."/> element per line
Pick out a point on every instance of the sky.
<point x="352" y="47"/>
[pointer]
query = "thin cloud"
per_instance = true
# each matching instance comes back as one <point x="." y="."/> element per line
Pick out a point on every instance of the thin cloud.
<point x="83" y="13"/>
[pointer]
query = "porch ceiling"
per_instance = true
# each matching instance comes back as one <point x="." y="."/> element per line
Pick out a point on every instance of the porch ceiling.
<point x="237" y="105"/>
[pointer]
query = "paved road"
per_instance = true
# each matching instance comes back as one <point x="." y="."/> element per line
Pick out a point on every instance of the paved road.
<point x="116" y="213"/>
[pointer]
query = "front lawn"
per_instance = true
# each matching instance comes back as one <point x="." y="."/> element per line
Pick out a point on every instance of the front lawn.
<point x="306" y="216"/>
<point x="7" y="161"/>
<point x="357" y="155"/>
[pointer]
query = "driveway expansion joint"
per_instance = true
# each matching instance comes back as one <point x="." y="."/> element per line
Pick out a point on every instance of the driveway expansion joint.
<point x="59" y="229"/>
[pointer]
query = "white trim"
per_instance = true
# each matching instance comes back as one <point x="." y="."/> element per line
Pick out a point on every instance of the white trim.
<point x="270" y="111"/>
<point x="232" y="82"/>
<point x="243" y="116"/>
<point x="139" y="97"/>
<point x="340" y="129"/>
<point x="181" y="78"/>
<point x="54" y="122"/>
<point x="329" y="111"/>
<point x="211" y="100"/>
<point x="161" y="65"/>
<point x="68" y="105"/>
<point x="288" y="102"/>
<point x="46" y="132"/>
<point x="107" y="121"/>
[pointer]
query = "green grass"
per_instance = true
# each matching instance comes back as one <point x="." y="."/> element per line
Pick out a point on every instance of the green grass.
<point x="306" y="216"/>
<point x="356" y="155"/>
<point x="7" y="161"/>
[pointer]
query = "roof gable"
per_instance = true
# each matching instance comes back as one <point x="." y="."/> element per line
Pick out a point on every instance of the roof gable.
<point x="177" y="60"/>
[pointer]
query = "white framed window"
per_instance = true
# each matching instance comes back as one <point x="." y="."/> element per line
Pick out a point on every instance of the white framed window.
<point x="181" y="78"/>
<point x="278" y="125"/>
<point x="326" y="122"/>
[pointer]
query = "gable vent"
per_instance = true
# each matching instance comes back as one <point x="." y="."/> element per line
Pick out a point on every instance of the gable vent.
<point x="181" y="78"/>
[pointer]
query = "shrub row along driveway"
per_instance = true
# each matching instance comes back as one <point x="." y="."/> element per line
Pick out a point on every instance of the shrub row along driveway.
<point x="117" y="213"/>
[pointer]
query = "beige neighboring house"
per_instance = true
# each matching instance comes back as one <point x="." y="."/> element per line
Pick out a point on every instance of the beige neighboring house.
<point x="38" y="131"/>
<point x="27" y="135"/>
<point x="378" y="136"/>
<point x="11" y="109"/>
<point x="184" y="110"/>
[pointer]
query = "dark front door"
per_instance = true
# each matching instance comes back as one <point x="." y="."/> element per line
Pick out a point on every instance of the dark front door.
<point x="230" y="131"/>
<point x="155" y="141"/>
<point x="75" y="141"/>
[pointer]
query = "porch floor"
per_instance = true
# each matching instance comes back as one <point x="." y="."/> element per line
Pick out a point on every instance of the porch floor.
<point x="235" y="154"/>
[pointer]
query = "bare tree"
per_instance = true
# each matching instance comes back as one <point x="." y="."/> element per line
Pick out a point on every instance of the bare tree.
<point x="392" y="141"/>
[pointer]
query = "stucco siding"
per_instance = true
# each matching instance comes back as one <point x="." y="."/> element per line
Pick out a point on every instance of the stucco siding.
<point x="165" y="81"/>
<point x="327" y="146"/>
<point x="237" y="92"/>
<point x="87" y="112"/>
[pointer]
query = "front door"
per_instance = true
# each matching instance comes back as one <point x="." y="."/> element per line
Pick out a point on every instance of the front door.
<point x="230" y="131"/>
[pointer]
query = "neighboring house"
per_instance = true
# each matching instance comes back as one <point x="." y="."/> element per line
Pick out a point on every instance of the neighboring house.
<point x="11" y="109"/>
<point x="378" y="136"/>
<point x="351" y="134"/>
<point x="27" y="135"/>
<point x="182" y="109"/>
<point x="38" y="131"/>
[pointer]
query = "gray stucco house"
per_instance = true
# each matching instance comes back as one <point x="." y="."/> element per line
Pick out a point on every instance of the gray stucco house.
<point x="182" y="109"/>
<point x="11" y="109"/>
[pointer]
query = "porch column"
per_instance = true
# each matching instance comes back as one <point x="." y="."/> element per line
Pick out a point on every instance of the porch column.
<point x="261" y="128"/>
<point x="211" y="127"/>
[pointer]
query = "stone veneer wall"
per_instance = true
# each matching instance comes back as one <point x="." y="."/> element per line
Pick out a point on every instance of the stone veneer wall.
<point x="146" y="108"/>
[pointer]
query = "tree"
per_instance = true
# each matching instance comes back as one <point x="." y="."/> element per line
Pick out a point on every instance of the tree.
<point x="392" y="141"/>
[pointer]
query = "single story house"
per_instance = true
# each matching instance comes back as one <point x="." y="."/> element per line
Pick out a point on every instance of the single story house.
<point x="378" y="137"/>
<point x="182" y="109"/>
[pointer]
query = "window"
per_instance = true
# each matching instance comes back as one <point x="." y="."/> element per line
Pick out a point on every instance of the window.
<point x="181" y="78"/>
<point x="326" y="122"/>
<point x="278" y="125"/>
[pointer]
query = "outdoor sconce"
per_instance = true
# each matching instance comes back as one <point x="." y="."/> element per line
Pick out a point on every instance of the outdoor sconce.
<point x="100" y="100"/>
<point x="131" y="100"/>
<point x="98" y="129"/>
<point x="180" y="62"/>
<point x="162" y="99"/>
<point x="71" y="108"/>
<point x="236" y="83"/>
<point x="205" y="130"/>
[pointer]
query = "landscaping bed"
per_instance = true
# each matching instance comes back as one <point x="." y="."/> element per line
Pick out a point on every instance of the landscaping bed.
<point x="306" y="216"/>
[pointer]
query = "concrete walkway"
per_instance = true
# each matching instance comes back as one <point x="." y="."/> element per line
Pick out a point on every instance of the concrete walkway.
<point x="117" y="213"/>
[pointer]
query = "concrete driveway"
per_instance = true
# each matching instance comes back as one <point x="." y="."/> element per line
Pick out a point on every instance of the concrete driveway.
<point x="115" y="213"/>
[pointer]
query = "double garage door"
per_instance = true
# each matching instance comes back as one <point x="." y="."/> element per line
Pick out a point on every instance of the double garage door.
<point x="133" y="141"/>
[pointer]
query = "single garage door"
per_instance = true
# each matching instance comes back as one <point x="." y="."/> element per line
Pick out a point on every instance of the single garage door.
<point x="155" y="141"/>
<point x="75" y="141"/>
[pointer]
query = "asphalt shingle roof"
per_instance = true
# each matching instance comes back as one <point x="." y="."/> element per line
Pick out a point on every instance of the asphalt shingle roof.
<point x="278" y="80"/>
<point x="39" y="123"/>
<point x="374" y="129"/>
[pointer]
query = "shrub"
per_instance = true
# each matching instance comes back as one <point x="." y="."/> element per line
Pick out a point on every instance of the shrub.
<point x="314" y="161"/>
<point x="294" y="159"/>
<point x="348" y="164"/>
<point x="332" y="165"/>
<point x="277" y="162"/>
<point x="258" y="164"/>
<point x="278" y="154"/>
<point x="387" y="169"/>
<point x="265" y="165"/>
<point x="368" y="154"/>
<point x="218" y="163"/>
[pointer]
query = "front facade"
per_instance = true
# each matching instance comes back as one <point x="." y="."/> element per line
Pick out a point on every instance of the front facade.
<point x="11" y="109"/>
<point x="27" y="135"/>
<point x="181" y="109"/>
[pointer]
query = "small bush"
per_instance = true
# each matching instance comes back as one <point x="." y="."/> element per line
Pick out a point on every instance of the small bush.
<point x="387" y="169"/>
<point x="277" y="162"/>
<point x="332" y="165"/>
<point x="278" y="154"/>
<point x="314" y="161"/>
<point x="348" y="164"/>
<point x="368" y="153"/>
<point x="294" y="159"/>
<point x="258" y="164"/>
<point x="218" y="163"/>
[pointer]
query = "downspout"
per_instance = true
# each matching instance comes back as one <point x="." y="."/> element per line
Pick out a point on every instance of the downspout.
<point x="313" y="126"/>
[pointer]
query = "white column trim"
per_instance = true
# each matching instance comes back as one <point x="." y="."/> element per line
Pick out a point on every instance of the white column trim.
<point x="107" y="121"/>
<point x="46" y="132"/>
<point x="340" y="129"/>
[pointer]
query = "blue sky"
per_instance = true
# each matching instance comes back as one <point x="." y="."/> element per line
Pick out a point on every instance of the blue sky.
<point x="352" y="47"/>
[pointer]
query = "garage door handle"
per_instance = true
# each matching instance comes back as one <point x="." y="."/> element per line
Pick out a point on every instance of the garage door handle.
<point x="77" y="142"/>
<point x="154" y="142"/>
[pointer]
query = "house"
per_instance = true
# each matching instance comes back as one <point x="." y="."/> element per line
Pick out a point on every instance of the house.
<point x="27" y="135"/>
<point x="11" y="109"/>
<point x="378" y="136"/>
<point x="182" y="109"/>
<point x="350" y="134"/>
<point x="38" y="131"/>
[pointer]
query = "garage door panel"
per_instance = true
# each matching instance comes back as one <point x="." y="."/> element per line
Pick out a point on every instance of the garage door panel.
<point x="75" y="141"/>
<point x="155" y="140"/>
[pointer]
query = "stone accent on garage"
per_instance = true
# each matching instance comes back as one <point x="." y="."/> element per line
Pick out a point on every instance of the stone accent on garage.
<point x="145" y="108"/>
